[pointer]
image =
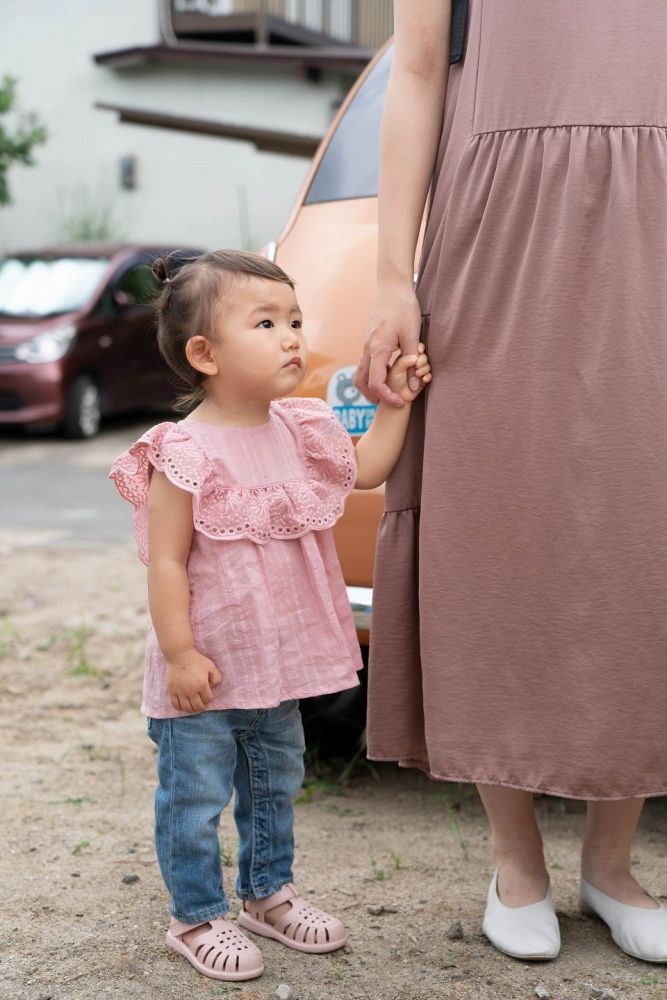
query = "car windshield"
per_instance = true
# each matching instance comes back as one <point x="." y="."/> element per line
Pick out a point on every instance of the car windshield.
<point x="32" y="286"/>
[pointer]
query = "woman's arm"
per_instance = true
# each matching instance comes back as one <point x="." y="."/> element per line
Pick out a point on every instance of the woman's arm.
<point x="189" y="674"/>
<point x="378" y="449"/>
<point x="411" y="127"/>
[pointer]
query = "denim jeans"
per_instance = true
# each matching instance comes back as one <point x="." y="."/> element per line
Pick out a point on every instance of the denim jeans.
<point x="202" y="759"/>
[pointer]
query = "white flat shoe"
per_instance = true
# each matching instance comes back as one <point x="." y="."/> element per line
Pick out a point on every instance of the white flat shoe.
<point x="528" y="932"/>
<point x="637" y="931"/>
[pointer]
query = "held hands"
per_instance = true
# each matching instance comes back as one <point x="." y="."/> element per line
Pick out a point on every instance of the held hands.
<point x="399" y="377"/>
<point x="190" y="677"/>
<point x="394" y="325"/>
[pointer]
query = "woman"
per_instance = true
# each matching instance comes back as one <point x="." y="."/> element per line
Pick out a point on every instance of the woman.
<point x="519" y="627"/>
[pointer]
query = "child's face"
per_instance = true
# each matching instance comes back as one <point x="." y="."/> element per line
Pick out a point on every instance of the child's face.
<point x="258" y="344"/>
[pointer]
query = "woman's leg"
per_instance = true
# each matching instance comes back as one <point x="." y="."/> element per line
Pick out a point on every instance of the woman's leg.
<point x="605" y="857"/>
<point x="517" y="845"/>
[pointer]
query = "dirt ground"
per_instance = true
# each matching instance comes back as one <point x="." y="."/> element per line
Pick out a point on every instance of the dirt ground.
<point x="399" y="858"/>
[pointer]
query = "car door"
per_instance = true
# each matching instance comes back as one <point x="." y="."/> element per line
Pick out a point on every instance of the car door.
<point x="135" y="374"/>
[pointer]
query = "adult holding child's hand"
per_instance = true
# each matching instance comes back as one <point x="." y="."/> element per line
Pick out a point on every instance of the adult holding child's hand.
<point x="394" y="326"/>
<point x="519" y="638"/>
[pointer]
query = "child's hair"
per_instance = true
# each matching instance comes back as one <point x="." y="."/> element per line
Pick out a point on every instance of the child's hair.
<point x="191" y="294"/>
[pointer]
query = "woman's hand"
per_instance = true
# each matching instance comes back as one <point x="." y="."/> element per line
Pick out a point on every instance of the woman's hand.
<point x="398" y="377"/>
<point x="190" y="677"/>
<point x="395" y="325"/>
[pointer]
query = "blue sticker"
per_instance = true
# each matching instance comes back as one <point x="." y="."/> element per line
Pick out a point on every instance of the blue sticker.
<point x="352" y="409"/>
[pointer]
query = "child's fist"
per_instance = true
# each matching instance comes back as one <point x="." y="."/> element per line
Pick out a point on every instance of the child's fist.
<point x="190" y="677"/>
<point x="399" y="377"/>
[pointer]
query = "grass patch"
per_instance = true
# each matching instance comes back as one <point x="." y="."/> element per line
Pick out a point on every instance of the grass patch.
<point x="452" y="797"/>
<point x="340" y="810"/>
<point x="77" y="654"/>
<point x="377" y="874"/>
<point x="70" y="800"/>
<point x="229" y="849"/>
<point x="81" y="846"/>
<point x="313" y="786"/>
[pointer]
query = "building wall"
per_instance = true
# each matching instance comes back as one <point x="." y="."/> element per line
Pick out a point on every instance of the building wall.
<point x="195" y="190"/>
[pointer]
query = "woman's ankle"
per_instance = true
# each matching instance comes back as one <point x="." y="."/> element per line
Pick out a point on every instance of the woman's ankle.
<point x="619" y="883"/>
<point x="521" y="880"/>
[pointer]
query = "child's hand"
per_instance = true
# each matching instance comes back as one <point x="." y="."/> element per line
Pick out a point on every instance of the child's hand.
<point x="190" y="677"/>
<point x="397" y="377"/>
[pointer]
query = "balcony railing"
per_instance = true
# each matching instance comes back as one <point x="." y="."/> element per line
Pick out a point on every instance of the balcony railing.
<point x="360" y="23"/>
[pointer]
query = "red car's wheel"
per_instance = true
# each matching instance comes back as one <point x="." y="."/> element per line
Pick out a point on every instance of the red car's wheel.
<point x="83" y="408"/>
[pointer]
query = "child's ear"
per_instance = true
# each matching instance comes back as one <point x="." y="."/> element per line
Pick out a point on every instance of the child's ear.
<point x="199" y="355"/>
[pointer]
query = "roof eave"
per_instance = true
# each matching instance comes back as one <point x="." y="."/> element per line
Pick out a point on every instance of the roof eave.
<point x="336" y="58"/>
<point x="265" y="140"/>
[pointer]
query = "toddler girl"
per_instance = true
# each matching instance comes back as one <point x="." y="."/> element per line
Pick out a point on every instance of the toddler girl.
<point x="233" y="513"/>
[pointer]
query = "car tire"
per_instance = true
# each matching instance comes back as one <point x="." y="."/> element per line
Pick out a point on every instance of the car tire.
<point x="83" y="408"/>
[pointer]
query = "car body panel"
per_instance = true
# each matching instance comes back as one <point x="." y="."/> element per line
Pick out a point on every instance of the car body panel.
<point x="117" y="347"/>
<point x="329" y="248"/>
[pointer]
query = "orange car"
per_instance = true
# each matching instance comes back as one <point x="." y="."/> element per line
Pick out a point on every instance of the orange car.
<point x="329" y="247"/>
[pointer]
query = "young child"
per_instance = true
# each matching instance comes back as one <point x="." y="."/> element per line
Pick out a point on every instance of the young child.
<point x="233" y="513"/>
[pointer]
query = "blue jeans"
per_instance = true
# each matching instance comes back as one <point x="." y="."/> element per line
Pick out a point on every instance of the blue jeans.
<point x="202" y="759"/>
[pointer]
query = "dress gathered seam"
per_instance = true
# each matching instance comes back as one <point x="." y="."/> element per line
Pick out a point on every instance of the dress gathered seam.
<point x="568" y="125"/>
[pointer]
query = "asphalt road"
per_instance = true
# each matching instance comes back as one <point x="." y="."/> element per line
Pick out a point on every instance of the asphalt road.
<point x="56" y="492"/>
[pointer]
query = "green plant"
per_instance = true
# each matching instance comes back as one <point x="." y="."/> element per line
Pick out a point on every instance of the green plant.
<point x="395" y="860"/>
<point x="16" y="146"/>
<point x="229" y="848"/>
<point x="451" y="798"/>
<point x="77" y="656"/>
<point x="355" y="760"/>
<point x="88" y="218"/>
<point x="379" y="874"/>
<point x="49" y="643"/>
<point x="311" y="786"/>
<point x="340" y="810"/>
<point x="81" y="846"/>
<point x="72" y="801"/>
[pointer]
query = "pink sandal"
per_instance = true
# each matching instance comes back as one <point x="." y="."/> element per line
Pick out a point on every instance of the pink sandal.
<point x="219" y="953"/>
<point x="303" y="927"/>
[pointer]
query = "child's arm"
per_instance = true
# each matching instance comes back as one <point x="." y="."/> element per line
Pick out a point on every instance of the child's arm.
<point x="378" y="449"/>
<point x="190" y="675"/>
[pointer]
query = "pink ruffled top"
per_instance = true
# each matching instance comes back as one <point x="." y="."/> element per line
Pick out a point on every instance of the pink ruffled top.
<point x="267" y="597"/>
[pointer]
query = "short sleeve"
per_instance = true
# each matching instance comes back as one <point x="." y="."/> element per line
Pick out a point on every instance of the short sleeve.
<point x="169" y="448"/>
<point x="328" y="448"/>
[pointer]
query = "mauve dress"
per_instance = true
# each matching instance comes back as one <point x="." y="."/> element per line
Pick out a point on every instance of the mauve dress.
<point x="519" y="632"/>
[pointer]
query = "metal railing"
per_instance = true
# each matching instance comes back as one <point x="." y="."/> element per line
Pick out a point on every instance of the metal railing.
<point x="363" y="23"/>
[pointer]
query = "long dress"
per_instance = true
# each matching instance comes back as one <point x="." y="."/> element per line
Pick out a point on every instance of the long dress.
<point x="519" y="631"/>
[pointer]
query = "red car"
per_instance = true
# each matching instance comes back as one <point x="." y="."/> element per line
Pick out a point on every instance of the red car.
<point x="77" y="336"/>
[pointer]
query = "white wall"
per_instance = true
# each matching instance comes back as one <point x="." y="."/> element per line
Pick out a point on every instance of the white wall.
<point x="191" y="189"/>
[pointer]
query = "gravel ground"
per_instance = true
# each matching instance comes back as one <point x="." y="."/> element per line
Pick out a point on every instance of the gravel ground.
<point x="404" y="861"/>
